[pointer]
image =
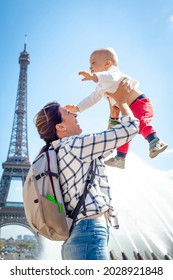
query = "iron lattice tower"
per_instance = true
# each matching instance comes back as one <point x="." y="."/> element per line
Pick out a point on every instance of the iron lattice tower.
<point x="17" y="164"/>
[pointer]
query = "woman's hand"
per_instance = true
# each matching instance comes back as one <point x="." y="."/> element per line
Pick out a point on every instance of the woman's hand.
<point x="123" y="91"/>
<point x="120" y="97"/>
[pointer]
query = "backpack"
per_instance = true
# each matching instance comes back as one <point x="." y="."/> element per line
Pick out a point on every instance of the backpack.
<point x="43" y="200"/>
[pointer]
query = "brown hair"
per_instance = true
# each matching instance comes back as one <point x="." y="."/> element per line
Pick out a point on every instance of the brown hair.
<point x="45" y="122"/>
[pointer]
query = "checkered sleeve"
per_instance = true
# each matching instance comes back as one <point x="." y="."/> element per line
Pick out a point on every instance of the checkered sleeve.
<point x="91" y="146"/>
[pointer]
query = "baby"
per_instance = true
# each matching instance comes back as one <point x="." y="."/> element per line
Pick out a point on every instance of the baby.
<point x="105" y="72"/>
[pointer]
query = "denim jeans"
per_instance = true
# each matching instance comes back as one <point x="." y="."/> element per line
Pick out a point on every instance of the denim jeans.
<point x="88" y="241"/>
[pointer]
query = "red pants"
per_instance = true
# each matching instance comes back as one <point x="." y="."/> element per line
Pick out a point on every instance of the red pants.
<point x="143" y="111"/>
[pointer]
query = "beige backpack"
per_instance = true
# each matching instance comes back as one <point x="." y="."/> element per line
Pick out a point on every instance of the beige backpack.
<point x="43" y="200"/>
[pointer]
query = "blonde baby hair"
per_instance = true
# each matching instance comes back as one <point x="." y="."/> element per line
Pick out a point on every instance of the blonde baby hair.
<point x="109" y="54"/>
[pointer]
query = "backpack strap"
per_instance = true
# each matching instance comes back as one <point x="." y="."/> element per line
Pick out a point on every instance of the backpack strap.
<point x="81" y="201"/>
<point x="44" y="174"/>
<point x="50" y="174"/>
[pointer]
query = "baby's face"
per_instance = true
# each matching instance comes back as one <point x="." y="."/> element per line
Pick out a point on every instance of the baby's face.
<point x="97" y="63"/>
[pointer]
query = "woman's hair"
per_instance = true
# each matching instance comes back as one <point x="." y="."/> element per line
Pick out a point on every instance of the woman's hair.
<point x="45" y="122"/>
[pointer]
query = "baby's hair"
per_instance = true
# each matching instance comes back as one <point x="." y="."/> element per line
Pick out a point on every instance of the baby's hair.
<point x="109" y="54"/>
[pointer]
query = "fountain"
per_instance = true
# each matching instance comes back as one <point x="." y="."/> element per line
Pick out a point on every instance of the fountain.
<point x="143" y="197"/>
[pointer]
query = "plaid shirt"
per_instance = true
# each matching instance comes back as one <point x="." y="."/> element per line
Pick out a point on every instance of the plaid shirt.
<point x="74" y="158"/>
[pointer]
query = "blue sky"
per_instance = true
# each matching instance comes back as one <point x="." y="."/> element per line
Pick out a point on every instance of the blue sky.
<point x="61" y="36"/>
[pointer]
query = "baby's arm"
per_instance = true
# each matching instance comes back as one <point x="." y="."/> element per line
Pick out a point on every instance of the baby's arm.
<point x="90" y="100"/>
<point x="88" y="76"/>
<point x="108" y="76"/>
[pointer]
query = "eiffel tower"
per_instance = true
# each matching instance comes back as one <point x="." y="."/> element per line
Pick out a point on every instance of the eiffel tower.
<point x="17" y="164"/>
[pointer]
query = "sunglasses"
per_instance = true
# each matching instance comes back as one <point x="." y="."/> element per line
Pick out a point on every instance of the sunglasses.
<point x="53" y="104"/>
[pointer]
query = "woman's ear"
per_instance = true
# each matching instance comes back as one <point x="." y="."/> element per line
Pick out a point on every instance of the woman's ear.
<point x="60" y="127"/>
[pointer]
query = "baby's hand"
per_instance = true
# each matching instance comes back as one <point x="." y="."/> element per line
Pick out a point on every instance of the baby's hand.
<point x="72" y="108"/>
<point x="88" y="76"/>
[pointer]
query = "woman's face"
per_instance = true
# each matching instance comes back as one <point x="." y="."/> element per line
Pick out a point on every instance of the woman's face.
<point x="70" y="123"/>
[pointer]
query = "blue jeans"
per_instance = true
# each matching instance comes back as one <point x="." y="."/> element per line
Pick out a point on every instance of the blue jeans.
<point x="88" y="241"/>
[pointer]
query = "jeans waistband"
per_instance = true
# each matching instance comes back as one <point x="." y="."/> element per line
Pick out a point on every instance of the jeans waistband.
<point x="139" y="97"/>
<point x="91" y="223"/>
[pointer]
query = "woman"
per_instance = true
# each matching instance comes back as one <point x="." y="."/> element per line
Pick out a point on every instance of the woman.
<point x="60" y="128"/>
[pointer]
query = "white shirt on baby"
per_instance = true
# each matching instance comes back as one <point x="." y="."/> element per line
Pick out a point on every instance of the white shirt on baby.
<point x="108" y="81"/>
